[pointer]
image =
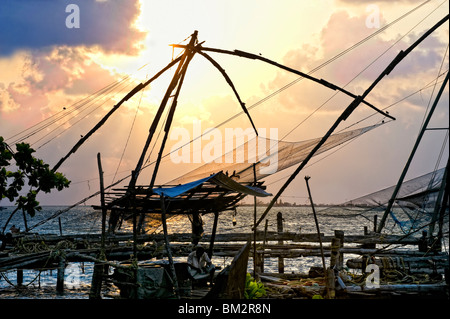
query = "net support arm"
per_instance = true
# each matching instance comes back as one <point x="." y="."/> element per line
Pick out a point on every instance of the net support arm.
<point x="286" y="68"/>
<point x="349" y="110"/>
<point x="130" y="94"/>
<point x="230" y="83"/>
<point x="410" y="158"/>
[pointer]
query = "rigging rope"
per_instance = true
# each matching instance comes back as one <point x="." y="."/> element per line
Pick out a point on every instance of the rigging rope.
<point x="76" y="122"/>
<point x="129" y="134"/>
<point x="57" y="116"/>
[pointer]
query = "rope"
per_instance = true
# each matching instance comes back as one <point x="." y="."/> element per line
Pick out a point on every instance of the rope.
<point x="129" y="133"/>
<point x="76" y="122"/>
<point x="21" y="285"/>
<point x="57" y="116"/>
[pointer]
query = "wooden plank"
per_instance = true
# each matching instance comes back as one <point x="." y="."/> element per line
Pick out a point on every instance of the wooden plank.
<point x="230" y="237"/>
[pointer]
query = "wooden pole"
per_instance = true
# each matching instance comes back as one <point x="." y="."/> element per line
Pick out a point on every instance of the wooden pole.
<point x="97" y="276"/>
<point x="439" y="202"/>
<point x="19" y="277"/>
<point x="334" y="258"/>
<point x="179" y="78"/>
<point x="254" y="227"/>
<point x="102" y="200"/>
<point x="157" y="117"/>
<point x="264" y="245"/>
<point x="258" y="57"/>
<point x="411" y="156"/>
<point x="139" y="87"/>
<point x="60" y="226"/>
<point x="169" y="251"/>
<point x="444" y="205"/>
<point x="340" y="234"/>
<point x="213" y="235"/>
<point x="60" y="274"/>
<point x="348" y="111"/>
<point x="320" y="238"/>
<point x="176" y="80"/>
<point x="96" y="282"/>
<point x="280" y="231"/>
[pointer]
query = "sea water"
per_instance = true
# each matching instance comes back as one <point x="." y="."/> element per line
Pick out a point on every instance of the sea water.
<point x="85" y="220"/>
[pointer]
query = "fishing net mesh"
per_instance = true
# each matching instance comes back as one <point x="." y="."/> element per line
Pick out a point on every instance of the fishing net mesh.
<point x="413" y="208"/>
<point x="260" y="157"/>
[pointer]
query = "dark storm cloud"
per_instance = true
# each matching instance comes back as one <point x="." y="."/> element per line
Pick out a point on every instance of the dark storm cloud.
<point x="36" y="24"/>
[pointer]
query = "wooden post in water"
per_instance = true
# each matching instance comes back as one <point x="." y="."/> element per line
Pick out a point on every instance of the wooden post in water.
<point x="60" y="274"/>
<point x="330" y="272"/>
<point x="213" y="235"/>
<point x="102" y="201"/>
<point x="19" y="277"/>
<point x="169" y="251"/>
<point x="60" y="227"/>
<point x="97" y="275"/>
<point x="255" y="257"/>
<point x="334" y="258"/>
<point x="340" y="262"/>
<point x="264" y="245"/>
<point x="331" y="283"/>
<point x="280" y="242"/>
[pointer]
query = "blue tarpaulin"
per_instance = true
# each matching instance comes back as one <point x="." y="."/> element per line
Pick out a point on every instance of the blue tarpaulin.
<point x="219" y="179"/>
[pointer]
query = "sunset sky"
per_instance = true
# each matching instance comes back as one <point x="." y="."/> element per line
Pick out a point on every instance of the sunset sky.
<point x="46" y="68"/>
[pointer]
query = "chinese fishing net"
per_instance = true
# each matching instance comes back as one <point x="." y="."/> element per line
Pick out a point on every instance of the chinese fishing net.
<point x="261" y="157"/>
<point x="414" y="207"/>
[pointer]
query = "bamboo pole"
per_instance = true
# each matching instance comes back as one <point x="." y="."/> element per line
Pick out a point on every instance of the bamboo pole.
<point x="340" y="234"/>
<point x="156" y="120"/>
<point x="102" y="200"/>
<point x="329" y="287"/>
<point x="179" y="78"/>
<point x="19" y="277"/>
<point x="315" y="221"/>
<point x="439" y="203"/>
<point x="255" y="262"/>
<point x="60" y="274"/>
<point x="139" y="87"/>
<point x="230" y="83"/>
<point x="97" y="276"/>
<point x="304" y="75"/>
<point x="213" y="235"/>
<point x="411" y="156"/>
<point x="280" y="242"/>
<point x="169" y="251"/>
<point x="348" y="111"/>
<point x="264" y="245"/>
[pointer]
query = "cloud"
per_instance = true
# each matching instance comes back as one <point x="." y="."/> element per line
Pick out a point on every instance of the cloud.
<point x="36" y="24"/>
<point x="342" y="31"/>
<point x="43" y="82"/>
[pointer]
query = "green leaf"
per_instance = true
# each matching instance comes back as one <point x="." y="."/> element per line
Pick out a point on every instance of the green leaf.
<point x="30" y="170"/>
